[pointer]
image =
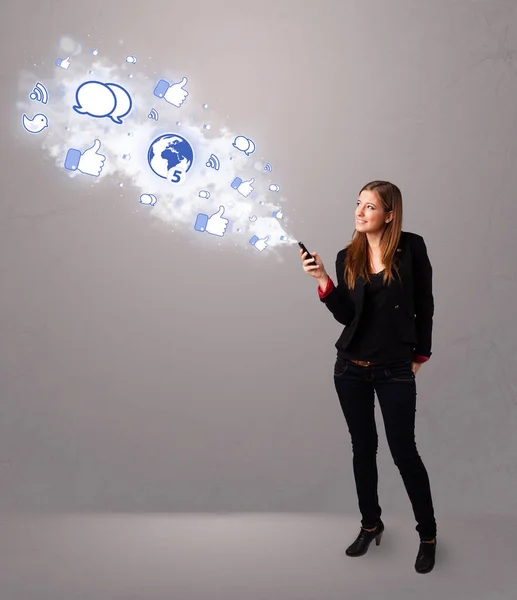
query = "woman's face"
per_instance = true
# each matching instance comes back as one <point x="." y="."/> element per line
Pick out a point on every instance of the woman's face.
<point x="369" y="208"/>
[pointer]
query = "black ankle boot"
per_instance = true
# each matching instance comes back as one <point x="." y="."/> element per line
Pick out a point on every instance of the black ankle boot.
<point x="425" y="557"/>
<point x="364" y="539"/>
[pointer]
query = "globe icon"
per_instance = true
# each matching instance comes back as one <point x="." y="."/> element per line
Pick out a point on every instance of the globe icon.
<point x="170" y="156"/>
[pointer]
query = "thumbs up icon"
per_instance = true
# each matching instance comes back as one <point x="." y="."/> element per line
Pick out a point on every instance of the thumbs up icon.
<point x="174" y="94"/>
<point x="259" y="243"/>
<point x="90" y="162"/>
<point x="243" y="187"/>
<point x="216" y="224"/>
<point x="64" y="63"/>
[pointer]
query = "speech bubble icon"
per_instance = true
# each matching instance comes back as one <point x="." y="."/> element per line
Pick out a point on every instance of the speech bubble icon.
<point x="123" y="103"/>
<point x="251" y="148"/>
<point x="241" y="143"/>
<point x="95" y="99"/>
<point x="149" y="199"/>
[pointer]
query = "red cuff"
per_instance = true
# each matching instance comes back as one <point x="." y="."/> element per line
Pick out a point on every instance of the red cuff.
<point x="329" y="287"/>
<point x="420" y="359"/>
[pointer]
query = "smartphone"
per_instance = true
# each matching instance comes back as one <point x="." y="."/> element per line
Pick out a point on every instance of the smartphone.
<point x="308" y="253"/>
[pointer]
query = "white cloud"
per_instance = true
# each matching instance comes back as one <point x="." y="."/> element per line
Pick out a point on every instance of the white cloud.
<point x="177" y="204"/>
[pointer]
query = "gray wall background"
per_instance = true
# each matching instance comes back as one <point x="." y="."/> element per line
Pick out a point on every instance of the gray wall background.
<point x="142" y="373"/>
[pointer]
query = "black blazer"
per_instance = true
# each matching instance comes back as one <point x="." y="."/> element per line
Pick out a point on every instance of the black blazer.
<point x="411" y="295"/>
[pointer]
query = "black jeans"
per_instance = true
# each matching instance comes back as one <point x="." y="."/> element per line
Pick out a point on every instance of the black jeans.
<point x="395" y="386"/>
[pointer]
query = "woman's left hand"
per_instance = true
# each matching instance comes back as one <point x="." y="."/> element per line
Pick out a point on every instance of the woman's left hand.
<point x="415" y="366"/>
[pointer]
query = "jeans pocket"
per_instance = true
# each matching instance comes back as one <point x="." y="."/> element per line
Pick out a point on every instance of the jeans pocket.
<point x="340" y="367"/>
<point x="400" y="371"/>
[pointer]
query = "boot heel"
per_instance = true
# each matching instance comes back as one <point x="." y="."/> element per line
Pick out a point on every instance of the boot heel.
<point x="364" y="539"/>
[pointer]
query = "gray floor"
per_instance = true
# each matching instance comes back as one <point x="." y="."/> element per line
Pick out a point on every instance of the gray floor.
<point x="248" y="557"/>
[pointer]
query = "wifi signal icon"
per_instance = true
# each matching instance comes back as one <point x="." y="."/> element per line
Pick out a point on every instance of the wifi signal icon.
<point x="153" y="114"/>
<point x="213" y="162"/>
<point x="268" y="167"/>
<point x="39" y="93"/>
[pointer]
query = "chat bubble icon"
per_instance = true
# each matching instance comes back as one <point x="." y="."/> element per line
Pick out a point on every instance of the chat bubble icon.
<point x="241" y="143"/>
<point x="100" y="100"/>
<point x="95" y="99"/>
<point x="123" y="103"/>
<point x="244" y="144"/>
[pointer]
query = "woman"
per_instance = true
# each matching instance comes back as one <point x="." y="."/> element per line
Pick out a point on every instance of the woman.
<point x="384" y="298"/>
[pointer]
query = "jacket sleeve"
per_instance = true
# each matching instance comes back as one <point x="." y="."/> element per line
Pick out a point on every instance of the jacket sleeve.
<point x="424" y="302"/>
<point x="337" y="299"/>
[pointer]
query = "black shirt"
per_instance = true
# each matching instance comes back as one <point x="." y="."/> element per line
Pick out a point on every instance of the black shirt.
<point x="376" y="338"/>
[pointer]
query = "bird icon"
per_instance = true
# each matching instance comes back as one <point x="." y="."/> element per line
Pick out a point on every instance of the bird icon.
<point x="36" y="124"/>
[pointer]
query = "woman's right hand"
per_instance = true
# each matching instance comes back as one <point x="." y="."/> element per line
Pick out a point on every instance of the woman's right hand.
<point x="315" y="270"/>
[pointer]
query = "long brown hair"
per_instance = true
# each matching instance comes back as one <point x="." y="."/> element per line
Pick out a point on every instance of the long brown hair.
<point x="357" y="262"/>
